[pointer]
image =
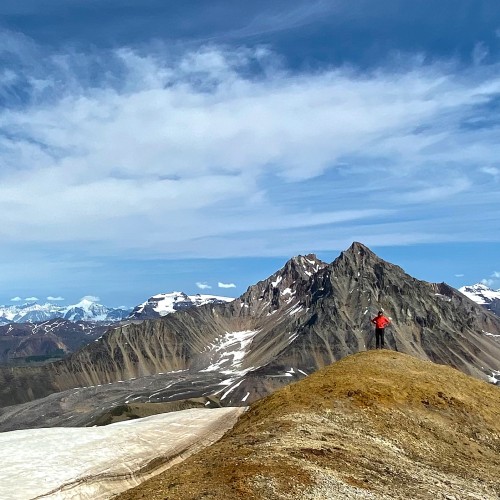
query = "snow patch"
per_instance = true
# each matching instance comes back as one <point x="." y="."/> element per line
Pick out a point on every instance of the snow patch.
<point x="294" y="310"/>
<point x="491" y="334"/>
<point x="277" y="282"/>
<point x="228" y="351"/>
<point x="81" y="459"/>
<point x="495" y="377"/>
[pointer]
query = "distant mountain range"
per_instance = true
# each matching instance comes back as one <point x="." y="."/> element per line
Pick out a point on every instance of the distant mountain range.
<point x="36" y="333"/>
<point x="90" y="311"/>
<point x="85" y="310"/>
<point x="484" y="295"/>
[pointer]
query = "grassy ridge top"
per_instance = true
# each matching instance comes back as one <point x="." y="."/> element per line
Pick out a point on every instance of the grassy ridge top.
<point x="387" y="379"/>
<point x="377" y="424"/>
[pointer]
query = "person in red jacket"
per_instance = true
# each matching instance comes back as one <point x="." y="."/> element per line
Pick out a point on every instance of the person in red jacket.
<point x="380" y="322"/>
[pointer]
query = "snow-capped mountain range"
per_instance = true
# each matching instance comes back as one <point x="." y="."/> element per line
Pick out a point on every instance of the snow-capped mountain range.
<point x="484" y="295"/>
<point x="166" y="303"/>
<point x="89" y="310"/>
<point x="85" y="310"/>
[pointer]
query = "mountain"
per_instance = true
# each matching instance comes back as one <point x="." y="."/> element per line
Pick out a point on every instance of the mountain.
<point x="51" y="339"/>
<point x="85" y="310"/>
<point x="28" y="313"/>
<point x="89" y="310"/>
<point x="166" y="303"/>
<point x="484" y="295"/>
<point x="305" y="316"/>
<point x="378" y="425"/>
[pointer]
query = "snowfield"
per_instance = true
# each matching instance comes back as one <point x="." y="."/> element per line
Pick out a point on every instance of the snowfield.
<point x="94" y="463"/>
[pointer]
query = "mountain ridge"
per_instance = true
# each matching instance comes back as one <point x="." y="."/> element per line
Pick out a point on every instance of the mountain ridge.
<point x="378" y="424"/>
<point x="303" y="317"/>
<point x="84" y="310"/>
<point x="166" y="303"/>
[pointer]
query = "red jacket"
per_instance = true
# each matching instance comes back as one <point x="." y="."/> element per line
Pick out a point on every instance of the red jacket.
<point x="380" y="321"/>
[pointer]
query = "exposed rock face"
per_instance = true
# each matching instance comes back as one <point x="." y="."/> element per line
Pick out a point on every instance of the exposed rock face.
<point x="303" y="317"/>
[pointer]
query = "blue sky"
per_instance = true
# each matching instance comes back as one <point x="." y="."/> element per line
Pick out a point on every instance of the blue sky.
<point x="157" y="145"/>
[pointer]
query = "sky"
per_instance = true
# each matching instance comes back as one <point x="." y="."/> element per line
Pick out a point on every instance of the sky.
<point x="155" y="145"/>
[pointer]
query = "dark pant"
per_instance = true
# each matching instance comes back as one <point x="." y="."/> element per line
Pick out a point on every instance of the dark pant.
<point x="379" y="337"/>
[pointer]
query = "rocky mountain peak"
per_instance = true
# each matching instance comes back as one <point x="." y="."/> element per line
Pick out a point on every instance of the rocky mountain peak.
<point x="301" y="266"/>
<point x="285" y="287"/>
<point x="303" y="317"/>
<point x="359" y="261"/>
<point x="359" y="255"/>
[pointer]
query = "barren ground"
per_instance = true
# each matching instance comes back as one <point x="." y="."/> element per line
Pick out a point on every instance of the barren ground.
<point x="376" y="425"/>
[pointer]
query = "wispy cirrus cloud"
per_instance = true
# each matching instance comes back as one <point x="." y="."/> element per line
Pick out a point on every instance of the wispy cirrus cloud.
<point x="55" y="299"/>
<point x="220" y="139"/>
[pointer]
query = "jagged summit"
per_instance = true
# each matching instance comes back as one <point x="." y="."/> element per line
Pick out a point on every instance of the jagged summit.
<point x="357" y="247"/>
<point x="359" y="256"/>
<point x="303" y="266"/>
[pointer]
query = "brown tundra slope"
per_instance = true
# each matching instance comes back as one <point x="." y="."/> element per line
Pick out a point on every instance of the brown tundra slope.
<point x="375" y="425"/>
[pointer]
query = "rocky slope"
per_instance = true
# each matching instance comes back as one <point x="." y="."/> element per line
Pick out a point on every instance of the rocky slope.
<point x="376" y="425"/>
<point x="55" y="338"/>
<point x="305" y="316"/>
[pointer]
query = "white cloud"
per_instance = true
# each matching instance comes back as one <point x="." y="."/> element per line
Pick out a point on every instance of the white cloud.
<point x="16" y="299"/>
<point x="31" y="299"/>
<point x="480" y="52"/>
<point x="55" y="299"/>
<point x="226" y="285"/>
<point x="493" y="171"/>
<point x="200" y="159"/>
<point x="487" y="282"/>
<point x="91" y="298"/>
<point x="459" y="275"/>
<point x="203" y="286"/>
<point x="496" y="274"/>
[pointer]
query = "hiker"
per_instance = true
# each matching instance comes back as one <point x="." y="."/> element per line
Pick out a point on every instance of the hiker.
<point x="380" y="322"/>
